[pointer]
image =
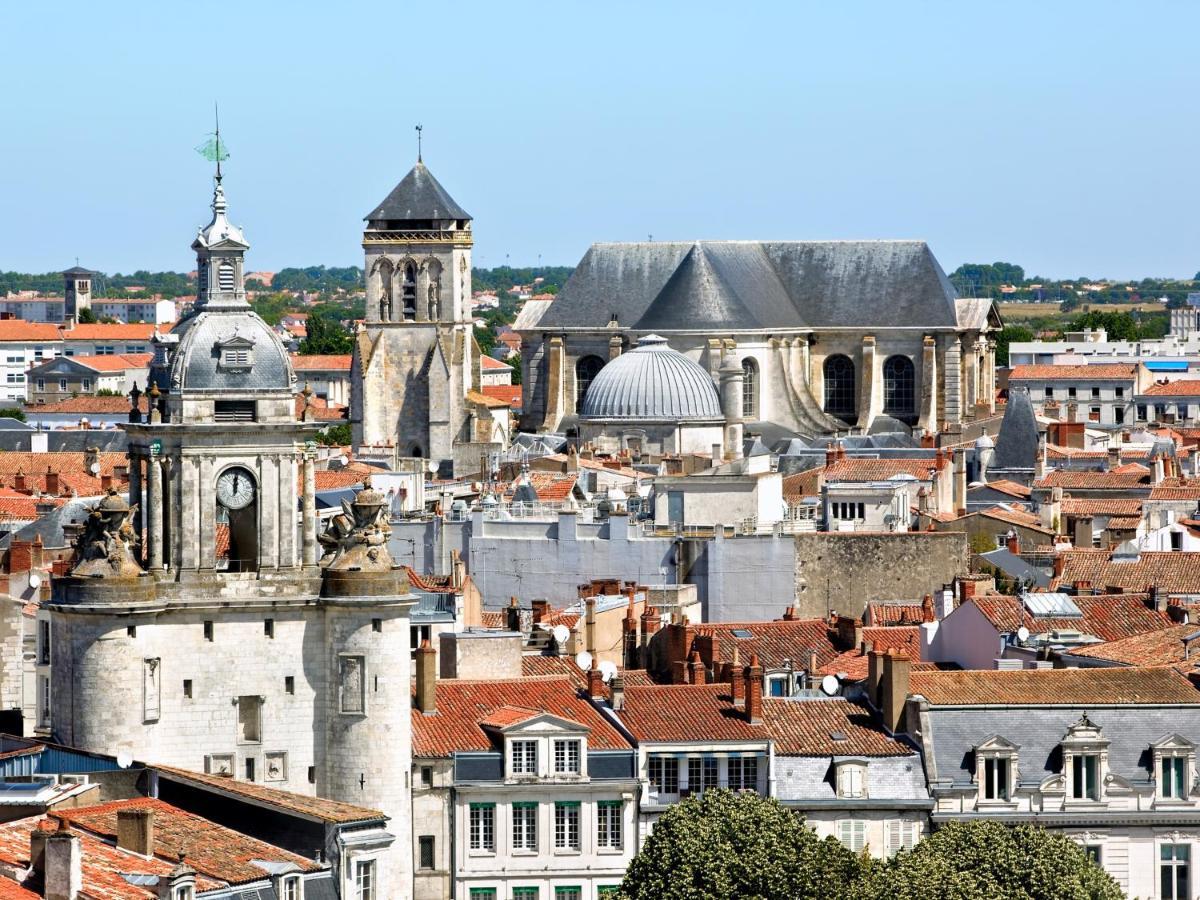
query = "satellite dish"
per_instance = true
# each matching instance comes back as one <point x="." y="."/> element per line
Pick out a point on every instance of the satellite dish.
<point x="609" y="670"/>
<point x="1022" y="634"/>
<point x="583" y="659"/>
<point x="561" y="633"/>
<point x="829" y="684"/>
<point x="124" y="758"/>
<point x="94" y="468"/>
<point x="432" y="466"/>
<point x="35" y="581"/>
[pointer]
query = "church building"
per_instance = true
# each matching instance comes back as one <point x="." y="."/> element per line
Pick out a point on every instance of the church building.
<point x="816" y="337"/>
<point x="206" y="625"/>
<point x="415" y="369"/>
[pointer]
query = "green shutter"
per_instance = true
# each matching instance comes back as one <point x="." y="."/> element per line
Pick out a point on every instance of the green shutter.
<point x="525" y="805"/>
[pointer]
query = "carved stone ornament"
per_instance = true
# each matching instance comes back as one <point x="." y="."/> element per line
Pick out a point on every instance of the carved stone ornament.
<point x="356" y="538"/>
<point x="106" y="544"/>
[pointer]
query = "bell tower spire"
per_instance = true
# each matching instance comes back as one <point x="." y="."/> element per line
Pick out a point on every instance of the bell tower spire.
<point x="220" y="246"/>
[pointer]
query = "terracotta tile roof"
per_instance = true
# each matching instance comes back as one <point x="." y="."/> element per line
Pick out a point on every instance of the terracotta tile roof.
<point x="1130" y="468"/>
<point x="1014" y="517"/>
<point x="321" y="362"/>
<point x="100" y="331"/>
<point x="1173" y="573"/>
<point x="438" y="584"/>
<point x="552" y="665"/>
<point x="504" y="716"/>
<point x="1164" y="647"/>
<point x="854" y="664"/>
<point x="509" y="393"/>
<point x="332" y="479"/>
<point x="775" y="641"/>
<point x="85" y="404"/>
<point x="490" y="362"/>
<point x="879" y="469"/>
<point x="322" y="410"/>
<point x="115" y="362"/>
<point x="1054" y="687"/>
<point x="1098" y="372"/>
<point x="1104" y="506"/>
<point x="881" y="613"/>
<point x="330" y="811"/>
<point x="104" y="866"/>
<point x="483" y="399"/>
<point x="799" y="485"/>
<point x="20" y="330"/>
<point x="497" y="620"/>
<point x="10" y="890"/>
<point x="211" y="849"/>
<point x="1176" y="489"/>
<point x="560" y="617"/>
<point x="1115" y="481"/>
<point x="24" y="508"/>
<point x="1011" y="488"/>
<point x="1181" y="388"/>
<point x="463" y="705"/>
<point x="71" y="468"/>
<point x="1107" y="616"/>
<point x="1124" y="523"/>
<point x="552" y="487"/>
<point x="685" y="712"/>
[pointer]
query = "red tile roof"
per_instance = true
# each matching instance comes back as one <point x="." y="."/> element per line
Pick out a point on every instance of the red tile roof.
<point x="20" y="330"/>
<point x="71" y="468"/>
<point x="108" y="331"/>
<point x="1181" y="388"/>
<point x="552" y="665"/>
<point x="1114" y="481"/>
<point x="1013" y="517"/>
<point x="115" y="362"/>
<point x="318" y="808"/>
<point x="212" y="849"/>
<point x="490" y="362"/>
<point x="463" y="705"/>
<point x="509" y="393"/>
<point x="321" y="362"/>
<point x="775" y="641"/>
<point x="1098" y="372"/>
<point x="1011" y="488"/>
<point x="10" y="890"/>
<point x="879" y="612"/>
<point x="1104" y="506"/>
<point x="799" y="485"/>
<point x="879" y="469"/>
<point x="1154" y="648"/>
<point x="1054" y="687"/>
<point x="552" y="487"/>
<point x="1176" y="489"/>
<point x="1107" y="616"/>
<point x="84" y="404"/>
<point x="685" y="712"/>
<point x="1173" y="573"/>
<point x="486" y="400"/>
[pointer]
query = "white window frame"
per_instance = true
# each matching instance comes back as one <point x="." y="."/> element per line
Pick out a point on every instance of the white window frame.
<point x="525" y="827"/>
<point x="900" y="834"/>
<point x="365" y="880"/>
<point x="610" y="825"/>
<point x="481" y="828"/>
<point x="853" y="834"/>
<point x="568" y="827"/>
<point x="523" y="756"/>
<point x="568" y="756"/>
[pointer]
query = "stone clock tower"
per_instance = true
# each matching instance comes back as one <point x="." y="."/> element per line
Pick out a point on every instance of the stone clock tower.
<point x="202" y="626"/>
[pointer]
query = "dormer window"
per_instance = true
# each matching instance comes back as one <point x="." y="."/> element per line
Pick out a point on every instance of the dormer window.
<point x="290" y="888"/>
<point x="524" y="757"/>
<point x="236" y="354"/>
<point x="995" y="778"/>
<point x="566" y="757"/>
<point x="851" y="779"/>
<point x="1085" y="761"/>
<point x="995" y="768"/>
<point x="1174" y="765"/>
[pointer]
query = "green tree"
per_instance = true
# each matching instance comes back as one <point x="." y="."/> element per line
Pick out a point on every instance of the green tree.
<point x="515" y="362"/>
<point x="485" y="338"/>
<point x="721" y="845"/>
<point x="325" y="335"/>
<point x="984" y="860"/>
<point x="1121" y="326"/>
<point x="1009" y="334"/>
<point x="335" y="435"/>
<point x="86" y="316"/>
<point x="15" y="413"/>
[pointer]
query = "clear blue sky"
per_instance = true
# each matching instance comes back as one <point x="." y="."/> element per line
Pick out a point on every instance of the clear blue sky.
<point x="1061" y="136"/>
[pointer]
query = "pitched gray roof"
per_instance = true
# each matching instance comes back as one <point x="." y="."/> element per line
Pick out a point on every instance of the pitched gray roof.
<point x="418" y="196"/>
<point x="754" y="285"/>
<point x="1017" y="443"/>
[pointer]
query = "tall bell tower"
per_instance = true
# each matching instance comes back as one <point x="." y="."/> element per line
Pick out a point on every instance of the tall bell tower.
<point x="416" y="359"/>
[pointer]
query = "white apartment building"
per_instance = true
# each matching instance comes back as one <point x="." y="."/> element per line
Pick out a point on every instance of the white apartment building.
<point x="1104" y="392"/>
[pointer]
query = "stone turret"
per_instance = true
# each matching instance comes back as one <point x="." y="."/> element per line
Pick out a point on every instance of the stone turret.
<point x="732" y="382"/>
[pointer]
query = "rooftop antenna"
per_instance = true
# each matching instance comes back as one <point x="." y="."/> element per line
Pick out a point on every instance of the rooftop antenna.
<point x="420" y="128"/>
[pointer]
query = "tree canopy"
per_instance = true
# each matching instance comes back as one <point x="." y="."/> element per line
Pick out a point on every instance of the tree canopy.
<point x="325" y="334"/>
<point x="972" y="279"/>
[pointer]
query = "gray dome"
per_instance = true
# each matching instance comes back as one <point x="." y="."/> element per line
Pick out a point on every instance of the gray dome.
<point x="654" y="382"/>
<point x="195" y="364"/>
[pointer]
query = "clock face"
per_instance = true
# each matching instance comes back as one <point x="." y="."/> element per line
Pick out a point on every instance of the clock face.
<point x="235" y="489"/>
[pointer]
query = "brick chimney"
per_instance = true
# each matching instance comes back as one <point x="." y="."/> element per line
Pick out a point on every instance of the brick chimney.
<point x="1013" y="542"/>
<point x="789" y="614"/>
<point x="541" y="608"/>
<point x="849" y="631"/>
<point x="19" y="481"/>
<point x="927" y="608"/>
<point x="737" y="684"/>
<point x="51" y="482"/>
<point x="63" y="865"/>
<point x="106" y="483"/>
<point x="595" y="682"/>
<point x="754" y="700"/>
<point x="1059" y="562"/>
<point x="897" y="668"/>
<point x="426" y="678"/>
<point x="695" y="669"/>
<point x="135" y="831"/>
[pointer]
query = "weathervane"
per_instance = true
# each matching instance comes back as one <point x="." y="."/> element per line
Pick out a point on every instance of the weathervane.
<point x="214" y="148"/>
<point x="419" y="130"/>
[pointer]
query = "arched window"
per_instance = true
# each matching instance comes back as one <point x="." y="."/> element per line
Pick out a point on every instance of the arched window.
<point x="841" y="398"/>
<point x="749" y="389"/>
<point x="585" y="371"/>
<point x="416" y="451"/>
<point x="409" y="292"/>
<point x="899" y="386"/>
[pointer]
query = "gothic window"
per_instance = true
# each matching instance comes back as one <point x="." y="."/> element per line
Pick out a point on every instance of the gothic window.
<point x="409" y="292"/>
<point x="749" y="389"/>
<point x="841" y="398"/>
<point x="899" y="386"/>
<point x="586" y="371"/>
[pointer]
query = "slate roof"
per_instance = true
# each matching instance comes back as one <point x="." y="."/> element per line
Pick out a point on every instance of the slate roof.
<point x="1164" y="647"/>
<point x="1107" y="616"/>
<point x="1054" y="687"/>
<point x="755" y="285"/>
<point x="703" y="712"/>
<point x="211" y="849"/>
<point x="418" y="196"/>
<point x="1098" y="372"/>
<point x="1171" y="572"/>
<point x="652" y="382"/>
<point x="1017" y="442"/>
<point x="463" y="705"/>
<point x="328" y="811"/>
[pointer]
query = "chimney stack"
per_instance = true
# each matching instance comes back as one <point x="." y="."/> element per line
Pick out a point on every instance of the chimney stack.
<point x="135" y="831"/>
<point x="897" y="668"/>
<point x="1013" y="541"/>
<point x="51" y="482"/>
<point x="426" y="679"/>
<point x="754" y="676"/>
<point x="737" y="683"/>
<point x="63" y="865"/>
<point x="874" y="676"/>
<point x="617" y="687"/>
<point x="695" y="669"/>
<point x="595" y="682"/>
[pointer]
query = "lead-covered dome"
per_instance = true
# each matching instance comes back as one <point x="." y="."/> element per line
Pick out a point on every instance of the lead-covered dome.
<point x="653" y="382"/>
<point x="229" y="352"/>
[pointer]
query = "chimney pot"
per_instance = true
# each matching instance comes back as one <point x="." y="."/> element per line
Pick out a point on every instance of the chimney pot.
<point x="426" y="678"/>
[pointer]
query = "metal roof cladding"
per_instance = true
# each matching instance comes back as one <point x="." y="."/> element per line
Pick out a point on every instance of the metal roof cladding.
<point x="652" y="382"/>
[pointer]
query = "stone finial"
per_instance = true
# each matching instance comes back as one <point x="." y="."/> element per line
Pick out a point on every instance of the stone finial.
<point x="105" y="545"/>
<point x="306" y="414"/>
